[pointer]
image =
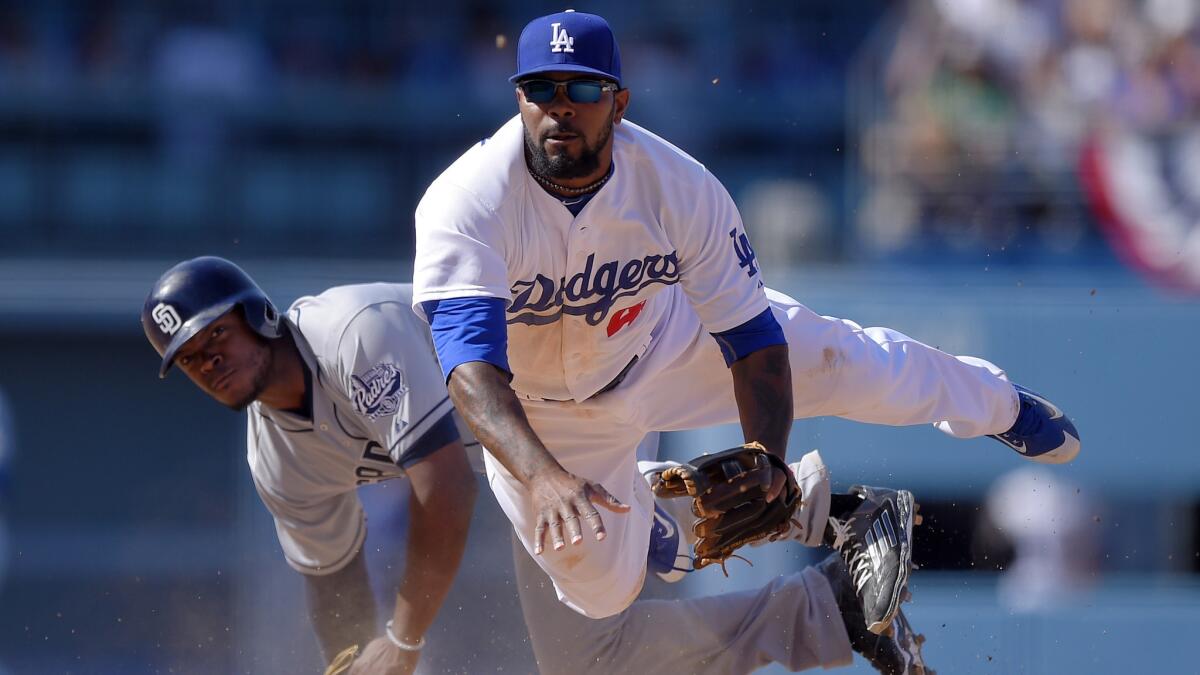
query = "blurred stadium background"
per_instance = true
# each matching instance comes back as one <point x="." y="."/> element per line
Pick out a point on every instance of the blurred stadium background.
<point x="1018" y="179"/>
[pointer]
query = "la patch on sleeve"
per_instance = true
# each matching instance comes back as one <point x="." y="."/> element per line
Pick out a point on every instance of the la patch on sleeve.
<point x="378" y="391"/>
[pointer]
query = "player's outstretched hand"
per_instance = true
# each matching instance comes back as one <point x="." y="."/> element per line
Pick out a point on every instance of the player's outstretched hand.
<point x="564" y="502"/>
<point x="381" y="657"/>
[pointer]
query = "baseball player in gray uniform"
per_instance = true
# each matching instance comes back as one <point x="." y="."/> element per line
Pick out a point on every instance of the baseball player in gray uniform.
<point x="341" y="391"/>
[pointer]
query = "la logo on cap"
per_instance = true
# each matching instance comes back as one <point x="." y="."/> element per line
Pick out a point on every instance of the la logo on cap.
<point x="579" y="43"/>
<point x="560" y="40"/>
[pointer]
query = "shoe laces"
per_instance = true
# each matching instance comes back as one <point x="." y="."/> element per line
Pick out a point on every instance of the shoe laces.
<point x="852" y="552"/>
<point x="841" y="531"/>
<point x="1028" y="422"/>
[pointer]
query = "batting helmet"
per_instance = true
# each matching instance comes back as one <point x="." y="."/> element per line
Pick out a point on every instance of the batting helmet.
<point x="196" y="292"/>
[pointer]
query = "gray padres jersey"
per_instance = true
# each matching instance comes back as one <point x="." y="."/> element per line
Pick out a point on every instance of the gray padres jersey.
<point x="376" y="390"/>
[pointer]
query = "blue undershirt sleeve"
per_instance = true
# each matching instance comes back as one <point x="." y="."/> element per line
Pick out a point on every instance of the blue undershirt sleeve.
<point x="468" y="329"/>
<point x="757" y="333"/>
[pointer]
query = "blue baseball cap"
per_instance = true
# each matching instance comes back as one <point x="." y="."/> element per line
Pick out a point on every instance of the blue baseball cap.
<point x="569" y="41"/>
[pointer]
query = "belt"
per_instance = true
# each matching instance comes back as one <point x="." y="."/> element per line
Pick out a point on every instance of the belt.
<point x="606" y="388"/>
<point x="618" y="379"/>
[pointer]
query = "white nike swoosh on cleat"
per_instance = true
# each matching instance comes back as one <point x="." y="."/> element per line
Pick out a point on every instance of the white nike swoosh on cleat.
<point x="1015" y="445"/>
<point x="670" y="529"/>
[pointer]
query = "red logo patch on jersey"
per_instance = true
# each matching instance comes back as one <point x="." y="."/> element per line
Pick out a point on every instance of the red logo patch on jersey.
<point x="624" y="317"/>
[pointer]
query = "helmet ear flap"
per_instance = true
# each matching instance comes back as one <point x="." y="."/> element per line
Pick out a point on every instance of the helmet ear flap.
<point x="271" y="317"/>
<point x="261" y="315"/>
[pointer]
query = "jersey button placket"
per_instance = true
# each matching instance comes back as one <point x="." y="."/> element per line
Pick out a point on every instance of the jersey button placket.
<point x="579" y="246"/>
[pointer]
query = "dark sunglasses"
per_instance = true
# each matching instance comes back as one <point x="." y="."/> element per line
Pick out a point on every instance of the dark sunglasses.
<point x="578" y="91"/>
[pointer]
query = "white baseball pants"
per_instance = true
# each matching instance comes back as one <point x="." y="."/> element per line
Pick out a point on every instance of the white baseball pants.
<point x="874" y="375"/>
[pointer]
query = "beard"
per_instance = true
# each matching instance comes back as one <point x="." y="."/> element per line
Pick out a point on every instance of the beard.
<point x="256" y="389"/>
<point x="563" y="165"/>
<point x="259" y="383"/>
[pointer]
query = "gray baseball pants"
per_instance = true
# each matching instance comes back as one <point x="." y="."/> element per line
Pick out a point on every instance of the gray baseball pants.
<point x="793" y="620"/>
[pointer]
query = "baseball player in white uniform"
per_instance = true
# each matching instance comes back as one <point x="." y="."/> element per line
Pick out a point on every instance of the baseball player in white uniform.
<point x="342" y="391"/>
<point x="570" y="267"/>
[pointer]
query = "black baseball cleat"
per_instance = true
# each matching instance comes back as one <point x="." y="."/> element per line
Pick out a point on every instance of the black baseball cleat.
<point x="872" y="530"/>
<point x="908" y="645"/>
<point x="897" y="651"/>
<point x="1042" y="432"/>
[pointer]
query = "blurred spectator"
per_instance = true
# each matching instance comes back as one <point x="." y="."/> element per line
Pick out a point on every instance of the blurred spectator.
<point x="202" y="66"/>
<point x="16" y="46"/>
<point x="492" y="53"/>
<point x="109" y="43"/>
<point x="788" y="220"/>
<point x="989" y="105"/>
<point x="1047" y="523"/>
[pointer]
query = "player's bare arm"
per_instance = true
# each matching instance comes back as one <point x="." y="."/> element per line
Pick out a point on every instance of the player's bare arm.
<point x="439" y="506"/>
<point x="483" y="397"/>
<point x="341" y="607"/>
<point x="762" y="387"/>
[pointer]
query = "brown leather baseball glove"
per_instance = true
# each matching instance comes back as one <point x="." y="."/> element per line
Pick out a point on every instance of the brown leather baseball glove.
<point x="729" y="496"/>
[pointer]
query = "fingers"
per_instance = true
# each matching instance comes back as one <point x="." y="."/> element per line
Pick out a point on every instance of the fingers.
<point x="559" y="525"/>
<point x="590" y="516"/>
<point x="539" y="536"/>
<point x="598" y="495"/>
<point x="778" y="480"/>
<point x="563" y="519"/>
<point x="556" y="534"/>
<point x="571" y="524"/>
<point x="552" y="527"/>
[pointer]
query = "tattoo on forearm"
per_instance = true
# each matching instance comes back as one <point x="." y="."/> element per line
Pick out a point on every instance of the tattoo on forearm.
<point x="763" y="387"/>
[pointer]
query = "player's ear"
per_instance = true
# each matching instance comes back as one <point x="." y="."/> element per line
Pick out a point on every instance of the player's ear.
<point x="620" y="103"/>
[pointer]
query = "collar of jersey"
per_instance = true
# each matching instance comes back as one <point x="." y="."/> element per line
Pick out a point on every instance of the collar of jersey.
<point x="296" y="422"/>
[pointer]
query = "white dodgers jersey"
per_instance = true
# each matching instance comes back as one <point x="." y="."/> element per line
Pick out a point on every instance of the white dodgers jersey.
<point x="584" y="293"/>
<point x="376" y="390"/>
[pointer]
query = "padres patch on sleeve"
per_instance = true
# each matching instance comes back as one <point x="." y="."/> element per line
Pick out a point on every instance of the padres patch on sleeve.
<point x="378" y="391"/>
